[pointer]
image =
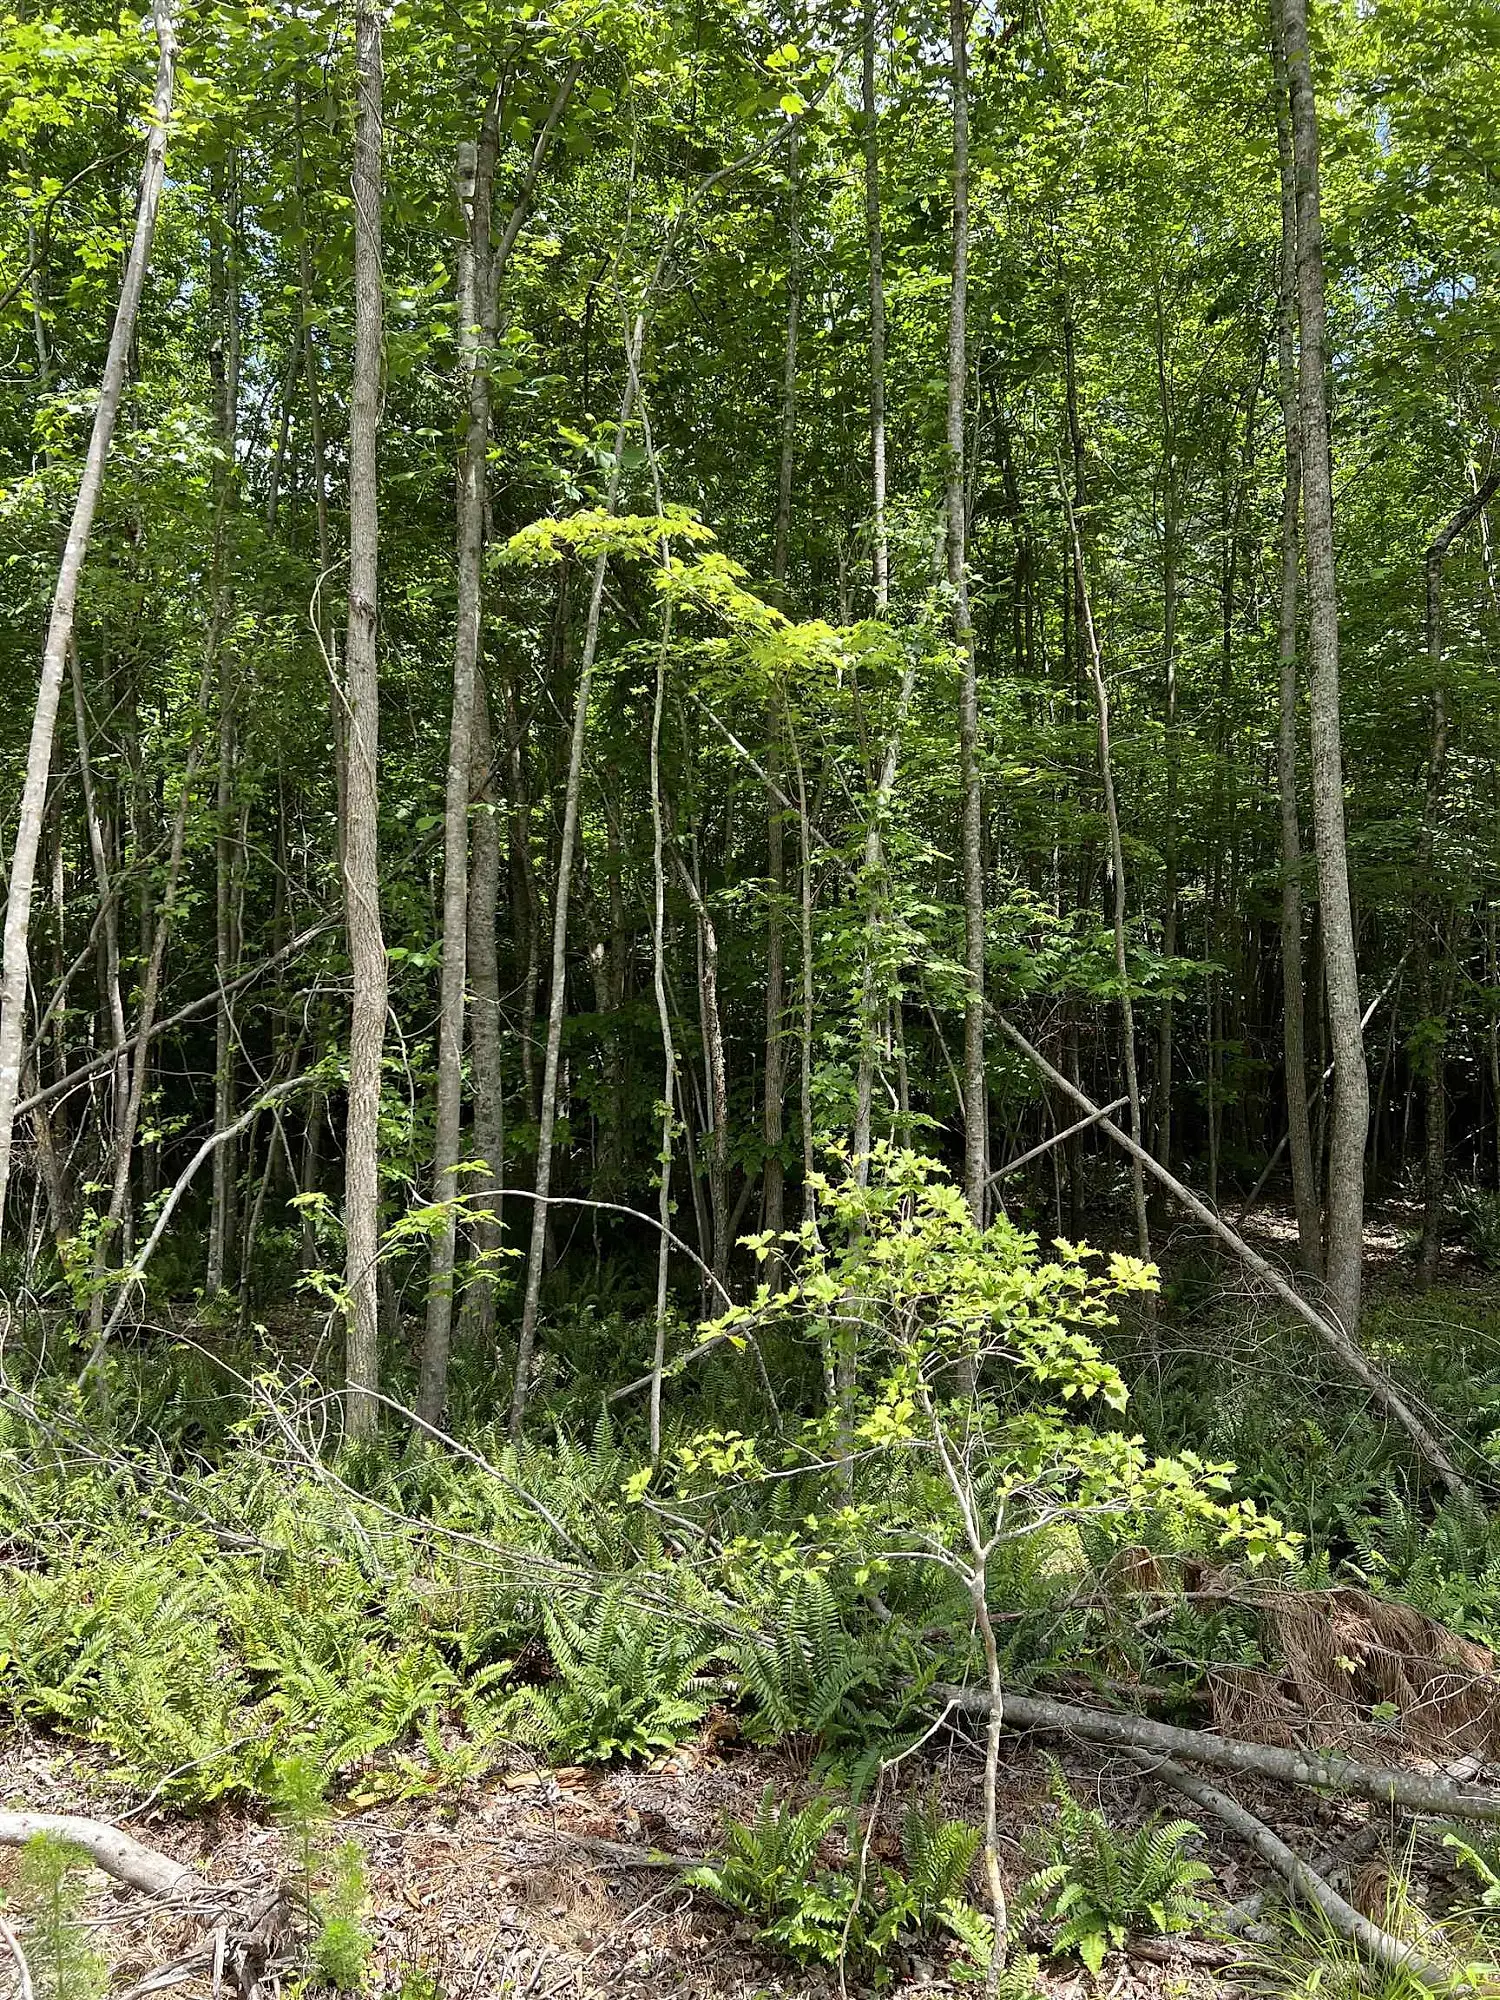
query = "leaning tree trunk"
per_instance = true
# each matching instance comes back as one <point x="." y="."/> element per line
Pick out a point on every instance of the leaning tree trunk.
<point x="976" y="1096"/>
<point x="361" y="842"/>
<point x="15" y="968"/>
<point x="1350" y="1112"/>
<point x="1294" y="1034"/>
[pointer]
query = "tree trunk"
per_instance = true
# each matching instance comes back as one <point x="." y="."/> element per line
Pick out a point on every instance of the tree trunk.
<point x="1294" y="1035"/>
<point x="773" y="1212"/>
<point x="880" y="560"/>
<point x="476" y="329"/>
<point x="1170" y="534"/>
<point x="1350" y="1111"/>
<point x="1429" y="920"/>
<point x="16" y="961"/>
<point x="664" y="1019"/>
<point x="361" y="842"/>
<point x="557" y="994"/>
<point x="484" y="1019"/>
<point x="224" y="364"/>
<point x="1117" y="869"/>
<point x="976" y="1096"/>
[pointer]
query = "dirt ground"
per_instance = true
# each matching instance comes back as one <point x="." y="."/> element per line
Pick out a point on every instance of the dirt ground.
<point x="548" y="1884"/>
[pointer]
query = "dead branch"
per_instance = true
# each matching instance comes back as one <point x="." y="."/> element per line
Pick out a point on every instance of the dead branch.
<point x="117" y="1853"/>
<point x="1327" y="1771"/>
<point x="1375" y="1944"/>
<point x="23" y="1971"/>
<point x="1327" y="1327"/>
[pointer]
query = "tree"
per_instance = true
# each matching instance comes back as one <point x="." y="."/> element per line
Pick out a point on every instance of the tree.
<point x="362" y="788"/>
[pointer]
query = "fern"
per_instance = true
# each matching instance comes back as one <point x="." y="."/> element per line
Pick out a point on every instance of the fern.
<point x="808" y="1671"/>
<point x="628" y="1681"/>
<point x="1097" y="1888"/>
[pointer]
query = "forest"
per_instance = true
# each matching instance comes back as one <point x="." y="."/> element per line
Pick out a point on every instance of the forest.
<point x="750" y="999"/>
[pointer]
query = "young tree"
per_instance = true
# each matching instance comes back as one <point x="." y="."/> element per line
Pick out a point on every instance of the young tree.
<point x="15" y="969"/>
<point x="1350" y="1113"/>
<point x="362" y="793"/>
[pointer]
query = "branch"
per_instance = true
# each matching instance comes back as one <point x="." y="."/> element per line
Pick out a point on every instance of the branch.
<point x="1324" y="1771"/>
<point x="117" y="1853"/>
<point x="1325" y="1326"/>
<point x="1380" y="1947"/>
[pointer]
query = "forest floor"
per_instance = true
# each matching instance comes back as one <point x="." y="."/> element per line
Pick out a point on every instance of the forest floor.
<point x="552" y="1883"/>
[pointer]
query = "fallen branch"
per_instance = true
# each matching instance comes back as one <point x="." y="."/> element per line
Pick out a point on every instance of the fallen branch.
<point x="1327" y="1328"/>
<point x="625" y="1856"/>
<point x="1378" y="1946"/>
<point x="1326" y="1771"/>
<point x="118" y="1854"/>
<point x="23" y="1971"/>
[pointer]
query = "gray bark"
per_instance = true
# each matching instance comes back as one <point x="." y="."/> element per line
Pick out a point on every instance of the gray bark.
<point x="1349" y="1115"/>
<point x="976" y="1095"/>
<point x="15" y="966"/>
<point x="1294" y="1033"/>
<point x="361" y="840"/>
<point x="476" y="332"/>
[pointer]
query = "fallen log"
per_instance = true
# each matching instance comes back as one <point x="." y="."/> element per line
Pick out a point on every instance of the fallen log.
<point x="118" y="1854"/>
<point x="1379" y="1946"/>
<point x="1322" y="1770"/>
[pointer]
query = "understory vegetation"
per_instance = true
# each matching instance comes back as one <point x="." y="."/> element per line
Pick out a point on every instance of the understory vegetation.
<point x="749" y="999"/>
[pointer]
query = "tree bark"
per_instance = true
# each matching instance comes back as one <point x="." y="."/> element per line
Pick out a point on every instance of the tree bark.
<point x="361" y="842"/>
<point x="224" y="363"/>
<point x="1117" y="869"/>
<point x="976" y="1095"/>
<point x="1350" y="1111"/>
<point x="484" y="1019"/>
<point x="1305" y="1199"/>
<point x="15" y="966"/>
<point x="880" y="559"/>
<point x="476" y="332"/>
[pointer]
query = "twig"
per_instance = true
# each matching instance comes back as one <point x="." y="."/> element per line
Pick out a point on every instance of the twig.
<point x="13" y="1945"/>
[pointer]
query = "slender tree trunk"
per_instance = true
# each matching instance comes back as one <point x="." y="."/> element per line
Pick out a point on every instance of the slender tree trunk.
<point x="1430" y="927"/>
<point x="1117" y="869"/>
<point x="224" y="362"/>
<point x="15" y="967"/>
<point x="476" y="314"/>
<point x="976" y="1096"/>
<point x="773" y="1197"/>
<point x="361" y="843"/>
<point x="1294" y="1034"/>
<point x="880" y="559"/>
<point x="337" y="718"/>
<point x="715" y="1065"/>
<point x="1350" y="1111"/>
<point x="484" y="1019"/>
<point x="664" y="1019"/>
<point x="557" y="994"/>
<point x="1170" y="533"/>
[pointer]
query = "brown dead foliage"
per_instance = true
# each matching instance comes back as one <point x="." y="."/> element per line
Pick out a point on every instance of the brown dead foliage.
<point x="1354" y="1666"/>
